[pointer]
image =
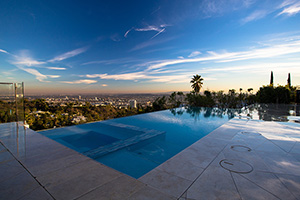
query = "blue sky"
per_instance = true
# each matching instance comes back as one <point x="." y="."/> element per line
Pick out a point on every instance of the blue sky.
<point x="148" y="46"/>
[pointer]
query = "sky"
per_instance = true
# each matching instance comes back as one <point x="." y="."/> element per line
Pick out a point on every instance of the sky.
<point x="121" y="46"/>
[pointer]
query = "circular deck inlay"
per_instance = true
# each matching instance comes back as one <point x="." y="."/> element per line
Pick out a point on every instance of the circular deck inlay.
<point x="240" y="148"/>
<point x="236" y="166"/>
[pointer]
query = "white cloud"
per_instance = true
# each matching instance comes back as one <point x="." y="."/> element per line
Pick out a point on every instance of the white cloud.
<point x="37" y="74"/>
<point x="127" y="76"/>
<point x="258" y="14"/>
<point x="85" y="81"/>
<point x="194" y="53"/>
<point x="27" y="61"/>
<point x="159" y="29"/>
<point x="3" y="51"/>
<point x="254" y="69"/>
<point x="53" y="76"/>
<point x="69" y="54"/>
<point x="57" y="68"/>
<point x="127" y="32"/>
<point x="159" y="70"/>
<point x="292" y="9"/>
<point x="263" y="52"/>
<point x="104" y="85"/>
<point x="145" y="76"/>
<point x="162" y="30"/>
<point x="149" y="28"/>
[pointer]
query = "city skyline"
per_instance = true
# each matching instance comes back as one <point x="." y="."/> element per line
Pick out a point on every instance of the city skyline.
<point x="148" y="46"/>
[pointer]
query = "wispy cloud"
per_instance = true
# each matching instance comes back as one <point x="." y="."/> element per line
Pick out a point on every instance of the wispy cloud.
<point x="292" y="8"/>
<point x="127" y="32"/>
<point x="257" y="68"/>
<point x="37" y="74"/>
<point x="57" y="68"/>
<point x="159" y="29"/>
<point x="194" y="53"/>
<point x="212" y="8"/>
<point x="53" y="76"/>
<point x="85" y="81"/>
<point x="159" y="70"/>
<point x="104" y="85"/>
<point x="258" y="14"/>
<point x="25" y="59"/>
<point x="69" y="54"/>
<point x="263" y="52"/>
<point x="3" y="51"/>
<point x="149" y="28"/>
<point x="145" y="76"/>
<point x="162" y="30"/>
<point x="115" y="37"/>
<point x="114" y="61"/>
<point x="25" y="62"/>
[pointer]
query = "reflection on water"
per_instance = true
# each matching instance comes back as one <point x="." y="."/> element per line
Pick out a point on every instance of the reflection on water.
<point x="277" y="112"/>
<point x="266" y="112"/>
<point x="196" y="112"/>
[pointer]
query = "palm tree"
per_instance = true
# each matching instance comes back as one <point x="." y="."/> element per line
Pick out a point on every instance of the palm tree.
<point x="197" y="83"/>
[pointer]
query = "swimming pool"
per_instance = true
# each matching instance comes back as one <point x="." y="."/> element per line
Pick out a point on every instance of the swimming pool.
<point x="137" y="144"/>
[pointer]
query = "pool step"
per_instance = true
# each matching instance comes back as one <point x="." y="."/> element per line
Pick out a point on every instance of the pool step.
<point x="147" y="134"/>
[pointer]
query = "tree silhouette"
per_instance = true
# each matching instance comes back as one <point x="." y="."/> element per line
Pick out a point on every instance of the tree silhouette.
<point x="289" y="81"/>
<point x="197" y="83"/>
<point x="271" y="79"/>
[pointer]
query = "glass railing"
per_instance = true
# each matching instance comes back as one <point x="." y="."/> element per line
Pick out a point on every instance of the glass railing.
<point x="12" y="102"/>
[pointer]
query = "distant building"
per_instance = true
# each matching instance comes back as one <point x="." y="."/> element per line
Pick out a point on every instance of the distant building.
<point x="132" y="103"/>
<point x="96" y="99"/>
<point x="78" y="119"/>
<point x="67" y="98"/>
<point x="79" y="97"/>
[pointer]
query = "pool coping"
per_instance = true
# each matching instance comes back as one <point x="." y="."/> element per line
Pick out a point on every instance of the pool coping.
<point x="57" y="172"/>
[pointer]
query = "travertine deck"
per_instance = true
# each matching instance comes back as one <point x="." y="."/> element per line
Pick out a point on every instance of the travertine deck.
<point x="35" y="167"/>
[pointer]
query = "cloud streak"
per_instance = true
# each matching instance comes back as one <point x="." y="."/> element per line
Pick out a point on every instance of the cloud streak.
<point x="26" y="63"/>
<point x="3" y="51"/>
<point x="158" y="71"/>
<point x="57" y="68"/>
<point x="159" y="29"/>
<point x="85" y="81"/>
<point x="194" y="53"/>
<point x="292" y="9"/>
<point x="258" y="14"/>
<point x="38" y="75"/>
<point x="69" y="54"/>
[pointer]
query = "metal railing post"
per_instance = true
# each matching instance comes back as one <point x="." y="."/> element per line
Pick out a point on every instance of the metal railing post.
<point x="17" y="117"/>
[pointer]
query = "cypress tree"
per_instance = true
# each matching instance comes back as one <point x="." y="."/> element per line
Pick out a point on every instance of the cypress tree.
<point x="289" y="80"/>
<point x="271" y="79"/>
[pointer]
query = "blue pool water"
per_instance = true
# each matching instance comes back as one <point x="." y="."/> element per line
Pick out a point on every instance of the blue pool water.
<point x="135" y="145"/>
